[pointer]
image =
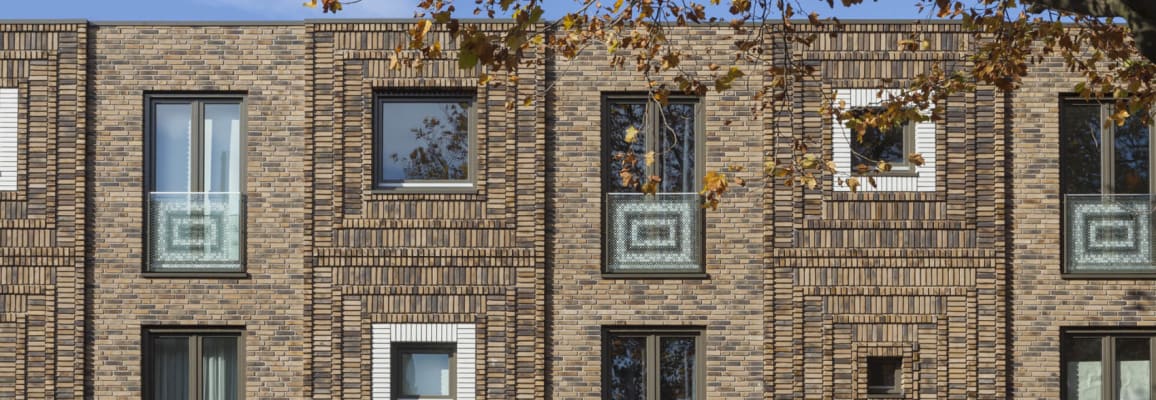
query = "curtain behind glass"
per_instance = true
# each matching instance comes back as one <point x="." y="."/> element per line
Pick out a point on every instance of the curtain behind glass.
<point x="1133" y="368"/>
<point x="170" y="370"/>
<point x="219" y="368"/>
<point x="1083" y="369"/>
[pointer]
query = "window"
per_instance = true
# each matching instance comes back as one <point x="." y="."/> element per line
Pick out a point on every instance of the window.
<point x="891" y="144"/>
<point x="9" y="115"/>
<point x="1106" y="184"/>
<point x="424" y="141"/>
<point x="888" y="144"/>
<point x="645" y="142"/>
<point x="640" y="364"/>
<point x="424" y="361"/>
<point x="1107" y="364"/>
<point x="196" y="184"/>
<point x="193" y="365"/>
<point x="885" y="375"/>
<point x="424" y="370"/>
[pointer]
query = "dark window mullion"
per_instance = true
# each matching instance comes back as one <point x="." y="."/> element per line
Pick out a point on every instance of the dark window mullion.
<point x="652" y="369"/>
<point x="1107" y="152"/>
<point x="197" y="152"/>
<point x="194" y="367"/>
<point x="1108" y="367"/>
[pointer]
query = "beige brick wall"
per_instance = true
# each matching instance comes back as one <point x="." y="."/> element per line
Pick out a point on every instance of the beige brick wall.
<point x="265" y="64"/>
<point x="729" y="305"/>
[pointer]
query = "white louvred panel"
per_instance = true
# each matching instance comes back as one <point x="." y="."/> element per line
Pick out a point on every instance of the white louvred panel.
<point x="924" y="179"/>
<point x="463" y="336"/>
<point x="9" y="109"/>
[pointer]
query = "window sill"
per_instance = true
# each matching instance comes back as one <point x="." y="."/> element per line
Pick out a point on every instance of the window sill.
<point x="473" y="189"/>
<point x="1150" y="275"/>
<point x="898" y="395"/>
<point x="656" y="275"/>
<point x="196" y="275"/>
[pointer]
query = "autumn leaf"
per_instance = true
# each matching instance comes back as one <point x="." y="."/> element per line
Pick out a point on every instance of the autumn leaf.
<point x="651" y="185"/>
<point x="740" y="181"/>
<point x="831" y="167"/>
<point x="714" y="182"/>
<point x="871" y="181"/>
<point x="883" y="166"/>
<point x="649" y="158"/>
<point x="916" y="159"/>
<point x="631" y="135"/>
<point x="310" y="4"/>
<point x="853" y="184"/>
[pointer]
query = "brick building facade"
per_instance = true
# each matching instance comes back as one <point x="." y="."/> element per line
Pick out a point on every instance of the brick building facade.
<point x="213" y="210"/>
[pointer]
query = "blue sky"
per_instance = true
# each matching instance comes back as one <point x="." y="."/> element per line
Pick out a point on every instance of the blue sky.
<point x="119" y="10"/>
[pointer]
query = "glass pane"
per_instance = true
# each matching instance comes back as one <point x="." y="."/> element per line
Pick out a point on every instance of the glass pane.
<point x="1082" y="369"/>
<point x="677" y="147"/>
<point x="219" y="368"/>
<point x="676" y="379"/>
<point x="173" y="123"/>
<point x="222" y="147"/>
<point x="170" y="370"/>
<point x="1133" y="368"/>
<point x="425" y="374"/>
<point x="620" y="117"/>
<point x="878" y="145"/>
<point x="425" y="140"/>
<point x="626" y="368"/>
<point x="1131" y="157"/>
<point x="1080" y="149"/>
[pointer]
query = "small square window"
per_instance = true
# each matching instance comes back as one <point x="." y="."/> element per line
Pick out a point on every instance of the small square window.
<point x="424" y="370"/>
<point x="890" y="144"/>
<point x="884" y="375"/>
<point x="424" y="141"/>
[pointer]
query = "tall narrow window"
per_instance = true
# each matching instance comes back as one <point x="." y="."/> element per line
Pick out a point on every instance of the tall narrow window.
<point x="652" y="365"/>
<point x="1107" y="365"/>
<point x="196" y="201"/>
<point x="1106" y="182"/>
<point x="424" y="141"/>
<point x="193" y="365"/>
<point x="652" y="148"/>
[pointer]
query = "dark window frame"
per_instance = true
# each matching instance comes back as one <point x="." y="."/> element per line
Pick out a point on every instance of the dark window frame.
<point x="1108" y="356"/>
<point x="653" y="119"/>
<point x="197" y="101"/>
<point x="400" y="348"/>
<point x="195" y="337"/>
<point x="903" y="167"/>
<point x="468" y="185"/>
<point x="1107" y="158"/>
<point x="653" y="336"/>
<point x="876" y="362"/>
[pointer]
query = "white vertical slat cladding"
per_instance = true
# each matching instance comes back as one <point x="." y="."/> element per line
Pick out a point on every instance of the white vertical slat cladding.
<point x="463" y="335"/>
<point x="9" y="103"/>
<point x="924" y="181"/>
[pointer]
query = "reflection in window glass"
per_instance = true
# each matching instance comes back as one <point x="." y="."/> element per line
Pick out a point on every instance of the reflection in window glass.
<point x="173" y="124"/>
<point x="627" y="366"/>
<point x="878" y="145"/>
<point x="676" y="378"/>
<point x="424" y="140"/>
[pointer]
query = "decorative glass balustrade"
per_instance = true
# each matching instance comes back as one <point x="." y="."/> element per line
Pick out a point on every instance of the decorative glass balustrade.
<point x="196" y="232"/>
<point x="1108" y="233"/>
<point x="659" y="233"/>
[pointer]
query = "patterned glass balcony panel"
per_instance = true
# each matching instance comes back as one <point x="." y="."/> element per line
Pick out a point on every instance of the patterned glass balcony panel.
<point x="1108" y="233"/>
<point x="197" y="232"/>
<point x="660" y="233"/>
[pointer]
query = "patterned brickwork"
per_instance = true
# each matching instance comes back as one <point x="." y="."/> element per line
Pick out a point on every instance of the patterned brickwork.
<point x="801" y="286"/>
<point x="42" y="222"/>
<point x="264" y="64"/>
<point x="385" y="257"/>
<point x="728" y="304"/>
<point x="918" y="275"/>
